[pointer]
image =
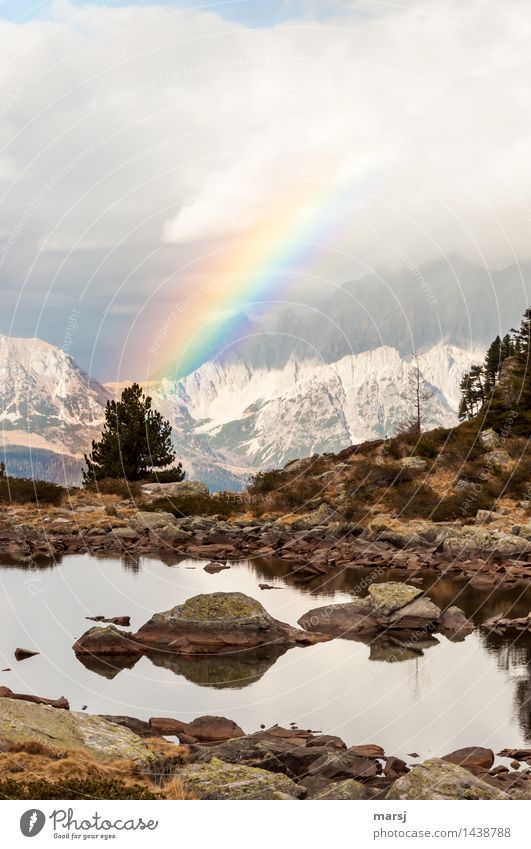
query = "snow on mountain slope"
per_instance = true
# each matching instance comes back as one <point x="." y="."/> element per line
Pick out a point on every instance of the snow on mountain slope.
<point x="46" y="401"/>
<point x="228" y="418"/>
<point x="269" y="416"/>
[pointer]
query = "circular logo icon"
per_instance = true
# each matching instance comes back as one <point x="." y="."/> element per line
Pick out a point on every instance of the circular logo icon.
<point x="32" y="822"/>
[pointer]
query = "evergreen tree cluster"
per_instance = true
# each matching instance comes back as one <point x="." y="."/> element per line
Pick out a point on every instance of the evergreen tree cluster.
<point x="502" y="383"/>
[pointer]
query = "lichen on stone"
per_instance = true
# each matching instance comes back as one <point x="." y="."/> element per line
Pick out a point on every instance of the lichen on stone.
<point x="219" y="607"/>
<point x="391" y="596"/>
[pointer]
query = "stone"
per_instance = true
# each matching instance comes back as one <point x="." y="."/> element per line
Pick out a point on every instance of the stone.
<point x="436" y="779"/>
<point x="111" y="620"/>
<point x="418" y="614"/>
<point x="471" y="538"/>
<point x="106" y="641"/>
<point x="23" y="654"/>
<point x="391" y="596"/>
<point x="147" y="521"/>
<point x="341" y="620"/>
<point x="367" y="750"/>
<point x="138" y="726"/>
<point x="63" y="729"/>
<point x="60" y="703"/>
<point x="338" y="765"/>
<point x="489" y="439"/>
<point x="395" y="767"/>
<point x="220" y="780"/>
<point x="214" y="568"/>
<point x="454" y="624"/>
<point x="347" y="789"/>
<point x="322" y="516"/>
<point x="415" y="464"/>
<point x="328" y="740"/>
<point x="125" y="533"/>
<point x="474" y="758"/>
<point x="213" y="729"/>
<point x="219" y="622"/>
<point x="173" y="490"/>
<point x="498" y="457"/>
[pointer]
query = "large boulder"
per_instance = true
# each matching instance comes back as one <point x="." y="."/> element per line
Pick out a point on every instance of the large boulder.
<point x="437" y="779"/>
<point x="63" y="729"/>
<point x="471" y="538"/>
<point x="101" y="641"/>
<point x="218" y="623"/>
<point x="203" y="729"/>
<point x="474" y="758"/>
<point x="219" y="780"/>
<point x="419" y="614"/>
<point x="341" y="620"/>
<point x="145" y="520"/>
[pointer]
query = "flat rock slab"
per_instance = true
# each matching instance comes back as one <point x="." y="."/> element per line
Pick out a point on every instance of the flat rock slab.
<point x="100" y="641"/>
<point x="347" y="789"/>
<point x="219" y="780"/>
<point x="391" y="596"/>
<point x="341" y="620"/>
<point x="436" y="779"/>
<point x="203" y="729"/>
<point x="62" y="729"/>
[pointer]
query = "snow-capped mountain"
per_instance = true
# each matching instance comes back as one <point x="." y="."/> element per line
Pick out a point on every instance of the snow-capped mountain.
<point x="266" y="417"/>
<point x="50" y="410"/>
<point x="227" y="418"/>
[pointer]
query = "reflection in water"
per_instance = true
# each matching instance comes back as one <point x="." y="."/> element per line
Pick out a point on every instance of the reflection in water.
<point x="427" y="695"/>
<point x="235" y="670"/>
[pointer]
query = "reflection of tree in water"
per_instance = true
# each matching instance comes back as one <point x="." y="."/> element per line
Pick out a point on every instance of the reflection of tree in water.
<point x="513" y="654"/>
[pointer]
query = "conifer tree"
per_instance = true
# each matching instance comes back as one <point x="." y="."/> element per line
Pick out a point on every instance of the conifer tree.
<point x="135" y="440"/>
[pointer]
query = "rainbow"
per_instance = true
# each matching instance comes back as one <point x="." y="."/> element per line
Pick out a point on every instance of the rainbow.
<point x="257" y="271"/>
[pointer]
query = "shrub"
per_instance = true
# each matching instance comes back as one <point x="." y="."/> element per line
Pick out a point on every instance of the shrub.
<point x="115" y="486"/>
<point x="265" y="482"/>
<point x="73" y="788"/>
<point x="225" y="504"/>
<point x="26" y="491"/>
<point x="426" y="447"/>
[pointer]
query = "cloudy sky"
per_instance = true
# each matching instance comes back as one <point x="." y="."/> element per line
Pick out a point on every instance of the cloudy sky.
<point x="148" y="150"/>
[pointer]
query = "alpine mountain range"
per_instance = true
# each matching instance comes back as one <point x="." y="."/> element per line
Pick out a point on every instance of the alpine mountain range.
<point x="299" y="380"/>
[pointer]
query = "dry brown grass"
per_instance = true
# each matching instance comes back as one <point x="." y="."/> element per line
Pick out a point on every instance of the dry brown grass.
<point x="28" y="761"/>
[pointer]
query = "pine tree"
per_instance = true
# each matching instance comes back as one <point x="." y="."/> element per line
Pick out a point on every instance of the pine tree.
<point x="135" y="440"/>
<point x="507" y="347"/>
<point x="491" y="367"/>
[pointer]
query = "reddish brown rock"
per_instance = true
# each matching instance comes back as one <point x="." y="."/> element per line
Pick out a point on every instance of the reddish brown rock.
<point x="341" y="620"/>
<point x="219" y="623"/>
<point x="474" y="758"/>
<point x="22" y="654"/>
<point x="454" y="624"/>
<point x="204" y="729"/>
<point x="106" y="641"/>
<point x="112" y="620"/>
<point x="369" y="750"/>
<point x="60" y="703"/>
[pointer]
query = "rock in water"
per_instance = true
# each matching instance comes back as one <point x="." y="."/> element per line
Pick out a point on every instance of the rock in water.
<point x="62" y="729"/>
<point x="22" y="654"/>
<point x="219" y="780"/>
<point x="106" y="641"/>
<point x="474" y="758"/>
<point x="391" y="596"/>
<point x="61" y="702"/>
<point x="454" y="624"/>
<point x="436" y="779"/>
<point x="219" y="622"/>
<point x="341" y="620"/>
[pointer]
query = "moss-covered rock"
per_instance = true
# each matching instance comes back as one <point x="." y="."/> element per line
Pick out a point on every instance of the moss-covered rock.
<point x="391" y="596"/>
<point x="436" y="779"/>
<point x="348" y="789"/>
<point x="61" y="729"/>
<point x="221" y="607"/>
<point x="219" y="780"/>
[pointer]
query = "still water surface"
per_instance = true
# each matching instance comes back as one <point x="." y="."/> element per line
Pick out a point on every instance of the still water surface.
<point x="475" y="692"/>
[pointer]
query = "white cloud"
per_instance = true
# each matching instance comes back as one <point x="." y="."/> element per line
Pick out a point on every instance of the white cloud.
<point x="208" y="127"/>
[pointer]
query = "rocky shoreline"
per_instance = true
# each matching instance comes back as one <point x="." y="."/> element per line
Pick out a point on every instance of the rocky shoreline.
<point x="215" y="759"/>
<point x="492" y="551"/>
